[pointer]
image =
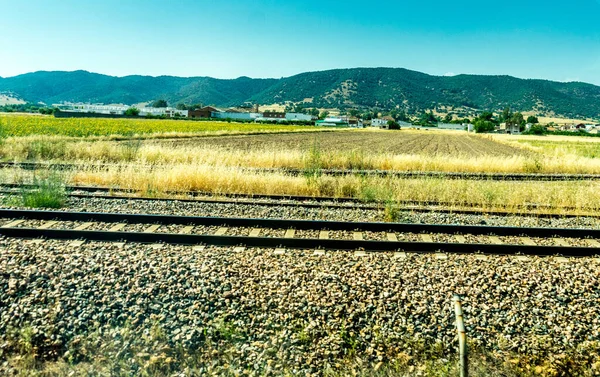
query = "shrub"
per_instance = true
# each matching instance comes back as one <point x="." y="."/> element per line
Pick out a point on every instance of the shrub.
<point x="393" y="125"/>
<point x="536" y="130"/>
<point x="484" y="126"/>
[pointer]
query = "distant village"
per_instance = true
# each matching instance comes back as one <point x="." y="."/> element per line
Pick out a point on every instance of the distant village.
<point x="252" y="114"/>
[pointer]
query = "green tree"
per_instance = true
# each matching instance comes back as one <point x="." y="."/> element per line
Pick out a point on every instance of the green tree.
<point x="314" y="112"/>
<point x="323" y="114"/>
<point x="160" y="103"/>
<point x="448" y="118"/>
<point x="517" y="118"/>
<point x="536" y="130"/>
<point x="132" y="112"/>
<point x="354" y="112"/>
<point x="506" y="114"/>
<point x="399" y="115"/>
<point x="427" y="118"/>
<point x="482" y="125"/>
<point x="532" y="119"/>
<point x="181" y="106"/>
<point x="393" y="125"/>
<point x="487" y="116"/>
<point x="367" y="115"/>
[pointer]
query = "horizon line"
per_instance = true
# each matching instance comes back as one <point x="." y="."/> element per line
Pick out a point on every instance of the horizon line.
<point x="449" y="74"/>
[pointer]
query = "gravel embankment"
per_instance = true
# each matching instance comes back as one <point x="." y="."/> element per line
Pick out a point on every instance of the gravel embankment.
<point x="299" y="307"/>
<point x="174" y="207"/>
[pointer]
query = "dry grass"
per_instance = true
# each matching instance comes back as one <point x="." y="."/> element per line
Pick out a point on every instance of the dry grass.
<point x="561" y="197"/>
<point x="563" y="159"/>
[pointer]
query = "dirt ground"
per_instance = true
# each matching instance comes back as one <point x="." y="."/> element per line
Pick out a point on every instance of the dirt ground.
<point x="388" y="142"/>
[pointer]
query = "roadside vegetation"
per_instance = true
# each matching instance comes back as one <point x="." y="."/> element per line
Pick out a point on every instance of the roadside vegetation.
<point x="513" y="196"/>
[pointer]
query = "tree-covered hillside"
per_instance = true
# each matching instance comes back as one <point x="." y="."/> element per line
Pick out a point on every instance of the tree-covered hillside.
<point x="390" y="87"/>
<point x="383" y="88"/>
<point x="82" y="86"/>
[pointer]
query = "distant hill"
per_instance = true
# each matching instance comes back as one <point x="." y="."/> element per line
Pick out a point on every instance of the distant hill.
<point x="384" y="88"/>
<point x="83" y="86"/>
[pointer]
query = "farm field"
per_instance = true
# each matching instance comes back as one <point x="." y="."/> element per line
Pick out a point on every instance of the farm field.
<point x="220" y="164"/>
<point x="25" y="125"/>
<point x="557" y="146"/>
<point x="365" y="141"/>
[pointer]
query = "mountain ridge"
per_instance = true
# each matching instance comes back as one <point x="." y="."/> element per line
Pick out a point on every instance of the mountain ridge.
<point x="382" y="88"/>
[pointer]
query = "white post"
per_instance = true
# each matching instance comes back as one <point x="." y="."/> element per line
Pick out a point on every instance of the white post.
<point x="462" y="338"/>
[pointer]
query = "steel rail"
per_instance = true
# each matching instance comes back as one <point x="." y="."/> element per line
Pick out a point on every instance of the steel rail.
<point x="296" y="243"/>
<point x="300" y="243"/>
<point x="298" y="224"/>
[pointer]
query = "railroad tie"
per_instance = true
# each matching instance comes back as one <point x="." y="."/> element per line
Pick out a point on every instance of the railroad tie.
<point x="522" y="258"/>
<point x="117" y="227"/>
<point x="77" y="243"/>
<point x="400" y="254"/>
<point x="255" y="232"/>
<point x="460" y="238"/>
<point x="83" y="226"/>
<point x="199" y="248"/>
<point x="48" y="224"/>
<point x="357" y="236"/>
<point x="426" y="238"/>
<point x="120" y="245"/>
<point x="360" y="253"/>
<point x="279" y="251"/>
<point x="495" y="240"/>
<point x="324" y="234"/>
<point x="593" y="243"/>
<point x="560" y="242"/>
<point x="221" y="231"/>
<point x="157" y="246"/>
<point x="561" y="259"/>
<point x="238" y="249"/>
<point x="392" y="237"/>
<point x="152" y="228"/>
<point x="319" y="252"/>
<point x="13" y="223"/>
<point x="290" y="233"/>
<point x="527" y="241"/>
<point x="186" y="230"/>
<point x="441" y="256"/>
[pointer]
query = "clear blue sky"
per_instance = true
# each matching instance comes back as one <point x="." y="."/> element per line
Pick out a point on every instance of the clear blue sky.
<point x="557" y="40"/>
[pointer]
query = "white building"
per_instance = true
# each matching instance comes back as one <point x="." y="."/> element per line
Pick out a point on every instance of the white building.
<point x="93" y="108"/>
<point x="377" y="122"/>
<point x="298" y="117"/>
<point x="169" y="112"/>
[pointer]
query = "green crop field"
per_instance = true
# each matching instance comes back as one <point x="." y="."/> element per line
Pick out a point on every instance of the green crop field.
<point x="23" y="125"/>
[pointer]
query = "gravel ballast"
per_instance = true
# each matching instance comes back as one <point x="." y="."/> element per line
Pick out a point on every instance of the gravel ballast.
<point x="300" y="307"/>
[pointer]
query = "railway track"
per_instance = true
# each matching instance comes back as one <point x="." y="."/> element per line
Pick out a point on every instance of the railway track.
<point x="339" y="172"/>
<point x="298" y="234"/>
<point x="304" y="201"/>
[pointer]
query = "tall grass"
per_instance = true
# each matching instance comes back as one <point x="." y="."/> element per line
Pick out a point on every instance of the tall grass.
<point x="516" y="196"/>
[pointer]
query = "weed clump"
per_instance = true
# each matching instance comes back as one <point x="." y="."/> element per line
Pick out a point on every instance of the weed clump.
<point x="47" y="192"/>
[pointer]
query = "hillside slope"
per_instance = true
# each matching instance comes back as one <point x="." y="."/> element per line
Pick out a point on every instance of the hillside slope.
<point x="384" y="88"/>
